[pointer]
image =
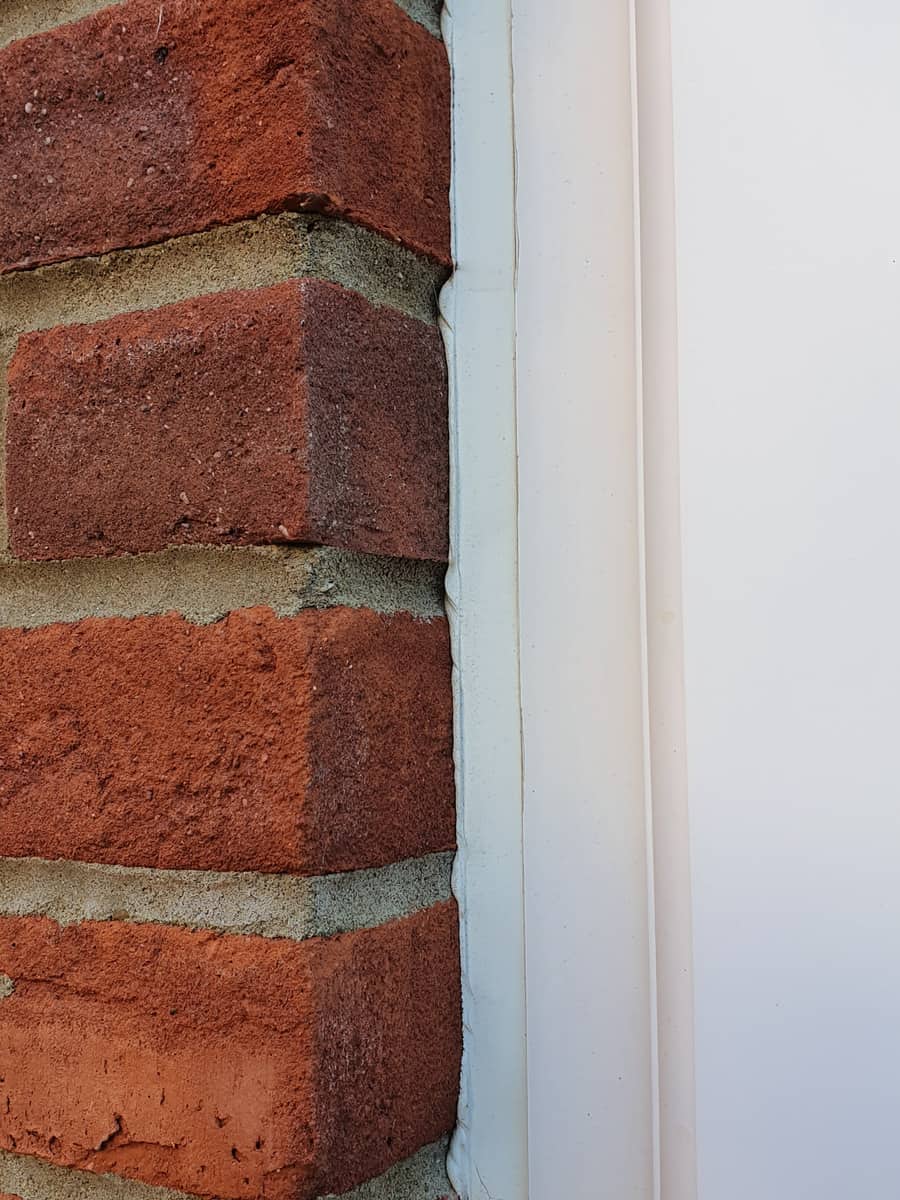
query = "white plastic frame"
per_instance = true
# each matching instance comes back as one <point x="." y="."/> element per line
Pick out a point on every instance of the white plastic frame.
<point x="546" y="596"/>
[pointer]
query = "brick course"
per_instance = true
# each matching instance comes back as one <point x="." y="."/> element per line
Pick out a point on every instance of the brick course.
<point x="233" y="1067"/>
<point x="298" y="412"/>
<point x="310" y="744"/>
<point x="128" y="127"/>
<point x="227" y="676"/>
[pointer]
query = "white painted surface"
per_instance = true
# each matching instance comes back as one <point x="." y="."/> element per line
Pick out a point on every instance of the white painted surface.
<point x="488" y="1159"/>
<point x="788" y="307"/>
<point x="587" y="939"/>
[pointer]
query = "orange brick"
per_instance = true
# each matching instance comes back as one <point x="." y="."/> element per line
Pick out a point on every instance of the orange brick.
<point x="310" y="744"/>
<point x="233" y="1067"/>
<point x="123" y="128"/>
<point x="294" y="413"/>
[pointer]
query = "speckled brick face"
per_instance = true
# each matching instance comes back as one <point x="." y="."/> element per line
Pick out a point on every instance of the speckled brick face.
<point x="234" y="1067"/>
<point x="216" y="414"/>
<point x="308" y="744"/>
<point x="298" y="412"/>
<point x="148" y="120"/>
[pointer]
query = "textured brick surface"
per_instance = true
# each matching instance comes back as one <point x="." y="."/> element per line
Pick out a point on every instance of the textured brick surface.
<point x="149" y="120"/>
<point x="224" y="1066"/>
<point x="310" y="744"/>
<point x="168" y="1021"/>
<point x="298" y="412"/>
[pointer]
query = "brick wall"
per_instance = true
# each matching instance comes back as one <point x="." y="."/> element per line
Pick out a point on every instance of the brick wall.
<point x="228" y="949"/>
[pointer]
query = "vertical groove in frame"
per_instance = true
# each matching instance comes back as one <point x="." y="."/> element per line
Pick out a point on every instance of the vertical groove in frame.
<point x="653" y="1012"/>
<point x="668" y="815"/>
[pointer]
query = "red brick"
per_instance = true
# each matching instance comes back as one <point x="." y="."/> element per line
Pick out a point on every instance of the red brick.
<point x="295" y="413"/>
<point x="225" y="1066"/>
<point x="310" y="744"/>
<point x="123" y="129"/>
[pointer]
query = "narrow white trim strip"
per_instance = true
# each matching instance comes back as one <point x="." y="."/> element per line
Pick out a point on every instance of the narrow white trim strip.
<point x="645" y="646"/>
<point x="670" y="849"/>
<point x="587" y="921"/>
<point x="488" y="1159"/>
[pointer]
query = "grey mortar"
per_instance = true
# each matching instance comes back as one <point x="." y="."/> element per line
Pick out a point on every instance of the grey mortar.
<point x="249" y="254"/>
<point x="421" y="1177"/>
<point x="426" y="12"/>
<point x="203" y="584"/>
<point x="238" y="902"/>
<point x="21" y="18"/>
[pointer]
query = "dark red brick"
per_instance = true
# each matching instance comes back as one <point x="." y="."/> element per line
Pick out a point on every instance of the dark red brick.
<point x="310" y="744"/>
<point x="294" y="413"/>
<point x="225" y="1066"/>
<point x="149" y="120"/>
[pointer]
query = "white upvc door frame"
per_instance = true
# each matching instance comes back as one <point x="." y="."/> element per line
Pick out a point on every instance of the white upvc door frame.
<point x="592" y="216"/>
<point x="568" y="1073"/>
<point x="589" y="968"/>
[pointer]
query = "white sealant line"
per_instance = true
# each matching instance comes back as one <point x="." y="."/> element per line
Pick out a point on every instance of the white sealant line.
<point x="488" y="1157"/>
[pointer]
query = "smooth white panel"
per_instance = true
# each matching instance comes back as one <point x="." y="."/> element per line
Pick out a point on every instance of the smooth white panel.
<point x="587" y="939"/>
<point x="788" y="238"/>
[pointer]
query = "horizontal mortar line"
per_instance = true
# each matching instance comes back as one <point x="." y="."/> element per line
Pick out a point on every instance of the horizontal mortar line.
<point x="204" y="584"/>
<point x="420" y="1177"/>
<point x="237" y="902"/>
<point x="23" y="18"/>
<point x="259" y="251"/>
